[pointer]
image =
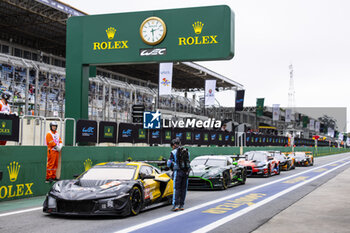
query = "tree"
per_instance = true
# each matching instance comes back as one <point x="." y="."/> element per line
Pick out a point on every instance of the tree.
<point x="328" y="122"/>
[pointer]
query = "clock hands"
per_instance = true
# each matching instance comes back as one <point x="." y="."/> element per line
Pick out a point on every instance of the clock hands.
<point x="152" y="33"/>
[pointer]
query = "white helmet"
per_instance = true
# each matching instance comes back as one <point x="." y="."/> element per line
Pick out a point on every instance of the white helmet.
<point x="53" y="123"/>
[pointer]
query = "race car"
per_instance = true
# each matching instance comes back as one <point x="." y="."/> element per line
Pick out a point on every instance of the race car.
<point x="111" y="188"/>
<point x="286" y="163"/>
<point x="302" y="159"/>
<point x="260" y="163"/>
<point x="215" y="172"/>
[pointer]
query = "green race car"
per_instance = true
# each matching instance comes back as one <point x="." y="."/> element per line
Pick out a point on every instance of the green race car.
<point x="215" y="172"/>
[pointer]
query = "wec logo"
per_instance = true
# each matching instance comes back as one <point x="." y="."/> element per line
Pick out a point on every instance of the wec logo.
<point x="153" y="52"/>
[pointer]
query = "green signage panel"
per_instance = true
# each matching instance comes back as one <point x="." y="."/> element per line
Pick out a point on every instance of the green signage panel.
<point x="5" y="127"/>
<point x="108" y="131"/>
<point x="190" y="34"/>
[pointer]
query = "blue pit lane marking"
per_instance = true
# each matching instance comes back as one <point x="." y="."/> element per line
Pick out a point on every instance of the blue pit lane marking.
<point x="208" y="216"/>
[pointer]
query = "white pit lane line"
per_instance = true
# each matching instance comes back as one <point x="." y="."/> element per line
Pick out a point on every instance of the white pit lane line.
<point x="146" y="224"/>
<point x="21" y="211"/>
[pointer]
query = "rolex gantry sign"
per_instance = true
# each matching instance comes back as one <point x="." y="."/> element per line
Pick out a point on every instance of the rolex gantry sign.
<point x="189" y="34"/>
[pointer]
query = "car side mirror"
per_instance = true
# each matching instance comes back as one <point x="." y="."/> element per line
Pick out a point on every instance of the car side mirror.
<point x="235" y="163"/>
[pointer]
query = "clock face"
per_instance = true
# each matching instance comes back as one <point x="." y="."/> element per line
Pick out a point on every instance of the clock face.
<point x="152" y="30"/>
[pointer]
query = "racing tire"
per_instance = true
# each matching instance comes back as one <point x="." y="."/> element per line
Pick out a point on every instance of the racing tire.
<point x="312" y="162"/>
<point x="243" y="176"/>
<point x="293" y="167"/>
<point x="225" y="180"/>
<point x="135" y="200"/>
<point x="279" y="169"/>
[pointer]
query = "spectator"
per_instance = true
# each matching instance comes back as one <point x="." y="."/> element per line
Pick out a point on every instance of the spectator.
<point x="5" y="108"/>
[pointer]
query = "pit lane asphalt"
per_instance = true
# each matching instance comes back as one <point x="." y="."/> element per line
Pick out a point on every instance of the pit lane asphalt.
<point x="36" y="221"/>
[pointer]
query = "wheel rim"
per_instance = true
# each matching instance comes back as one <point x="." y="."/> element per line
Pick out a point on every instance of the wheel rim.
<point x="224" y="181"/>
<point x="136" y="201"/>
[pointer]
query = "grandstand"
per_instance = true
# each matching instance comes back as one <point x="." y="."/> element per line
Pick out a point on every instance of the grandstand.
<point x="32" y="62"/>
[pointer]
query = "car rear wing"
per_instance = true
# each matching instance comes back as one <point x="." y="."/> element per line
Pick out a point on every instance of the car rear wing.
<point x="158" y="162"/>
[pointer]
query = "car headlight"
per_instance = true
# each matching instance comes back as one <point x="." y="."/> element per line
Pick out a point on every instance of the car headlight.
<point x="51" y="202"/>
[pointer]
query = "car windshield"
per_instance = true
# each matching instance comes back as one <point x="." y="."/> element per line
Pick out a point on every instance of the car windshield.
<point x="279" y="157"/>
<point x="258" y="156"/>
<point x="196" y="162"/>
<point x="110" y="173"/>
<point x="216" y="162"/>
<point x="208" y="162"/>
<point x="299" y="154"/>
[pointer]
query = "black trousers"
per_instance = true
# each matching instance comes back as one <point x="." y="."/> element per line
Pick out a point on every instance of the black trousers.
<point x="180" y="187"/>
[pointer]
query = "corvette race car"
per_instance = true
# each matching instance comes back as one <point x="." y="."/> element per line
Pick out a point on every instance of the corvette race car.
<point x="286" y="163"/>
<point x="260" y="163"/>
<point x="215" y="172"/>
<point x="302" y="159"/>
<point x="112" y="188"/>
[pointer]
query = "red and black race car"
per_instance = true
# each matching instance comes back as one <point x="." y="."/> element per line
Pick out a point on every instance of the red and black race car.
<point x="260" y="163"/>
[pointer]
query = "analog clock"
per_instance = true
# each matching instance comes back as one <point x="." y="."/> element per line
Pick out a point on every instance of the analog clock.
<point x="152" y="30"/>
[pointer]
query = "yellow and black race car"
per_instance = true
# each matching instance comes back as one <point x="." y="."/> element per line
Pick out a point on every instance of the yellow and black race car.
<point x="111" y="188"/>
<point x="303" y="158"/>
<point x="286" y="163"/>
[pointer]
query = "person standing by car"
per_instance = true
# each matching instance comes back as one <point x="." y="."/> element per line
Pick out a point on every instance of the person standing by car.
<point x="54" y="146"/>
<point x="180" y="164"/>
<point x="5" y="108"/>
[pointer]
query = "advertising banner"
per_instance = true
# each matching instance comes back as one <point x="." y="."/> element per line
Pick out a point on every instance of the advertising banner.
<point x="221" y="140"/>
<point x="288" y="117"/>
<point x="239" y="100"/>
<point x="317" y="126"/>
<point x="259" y="106"/>
<point x="213" y="137"/>
<point x="107" y="132"/>
<point x="312" y="124"/>
<point x="126" y="132"/>
<point x="86" y="131"/>
<point x="155" y="136"/>
<point x="198" y="137"/>
<point x="141" y="134"/>
<point x="9" y="128"/>
<point x="165" y="78"/>
<point x="188" y="137"/>
<point x="275" y="112"/>
<point x="206" y="137"/>
<point x="210" y="86"/>
<point x="227" y="141"/>
<point x="166" y="135"/>
<point x="179" y="133"/>
<point x="305" y="121"/>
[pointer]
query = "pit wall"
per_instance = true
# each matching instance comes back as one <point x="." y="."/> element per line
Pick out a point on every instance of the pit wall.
<point x="24" y="167"/>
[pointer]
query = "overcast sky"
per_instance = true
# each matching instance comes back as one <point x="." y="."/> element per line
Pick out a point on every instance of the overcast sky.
<point x="313" y="35"/>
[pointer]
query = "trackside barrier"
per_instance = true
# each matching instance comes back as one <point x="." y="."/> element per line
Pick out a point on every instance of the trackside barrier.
<point x="30" y="117"/>
<point x="24" y="167"/>
<point x="42" y="130"/>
